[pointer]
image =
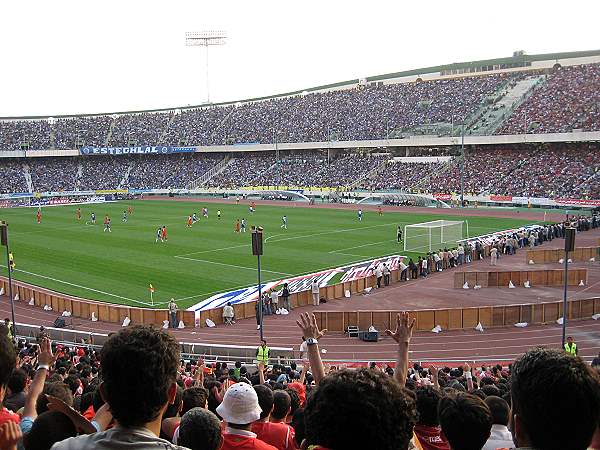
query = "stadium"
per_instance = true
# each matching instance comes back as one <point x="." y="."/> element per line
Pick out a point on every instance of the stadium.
<point x="452" y="193"/>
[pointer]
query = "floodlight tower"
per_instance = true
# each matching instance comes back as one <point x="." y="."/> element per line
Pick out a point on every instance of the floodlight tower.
<point x="205" y="39"/>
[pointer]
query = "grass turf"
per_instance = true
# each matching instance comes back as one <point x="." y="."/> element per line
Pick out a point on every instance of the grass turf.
<point x="79" y="259"/>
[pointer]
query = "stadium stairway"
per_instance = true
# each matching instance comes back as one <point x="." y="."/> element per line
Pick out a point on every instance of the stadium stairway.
<point x="110" y="130"/>
<point x="358" y="182"/>
<point x="78" y="176"/>
<point x="207" y="176"/>
<point x="221" y="124"/>
<point x="163" y="135"/>
<point x="511" y="96"/>
<point x="125" y="180"/>
<point x="27" y="176"/>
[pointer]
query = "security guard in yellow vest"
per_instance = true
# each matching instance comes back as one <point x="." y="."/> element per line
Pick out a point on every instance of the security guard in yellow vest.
<point x="262" y="353"/>
<point x="571" y="347"/>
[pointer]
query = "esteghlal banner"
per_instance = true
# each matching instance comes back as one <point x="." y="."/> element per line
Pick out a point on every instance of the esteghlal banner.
<point x="135" y="150"/>
<point x="299" y="283"/>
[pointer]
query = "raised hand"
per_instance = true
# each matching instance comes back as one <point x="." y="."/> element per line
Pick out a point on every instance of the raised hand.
<point x="308" y="324"/>
<point x="45" y="356"/>
<point x="10" y="434"/>
<point x="404" y="328"/>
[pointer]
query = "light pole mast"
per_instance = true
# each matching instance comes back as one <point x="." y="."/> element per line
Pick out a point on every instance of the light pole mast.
<point x="205" y="39"/>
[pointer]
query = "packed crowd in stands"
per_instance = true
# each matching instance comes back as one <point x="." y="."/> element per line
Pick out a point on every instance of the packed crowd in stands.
<point x="138" y="129"/>
<point x="76" y="132"/>
<point x="34" y="134"/>
<point x="53" y="174"/>
<point x="365" y="112"/>
<point x="552" y="171"/>
<point x="243" y="170"/>
<point x="315" y="170"/>
<point x="568" y="100"/>
<point x="13" y="179"/>
<point x="546" y="171"/>
<point x="197" y="126"/>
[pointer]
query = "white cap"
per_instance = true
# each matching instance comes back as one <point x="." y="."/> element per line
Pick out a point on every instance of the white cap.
<point x="240" y="405"/>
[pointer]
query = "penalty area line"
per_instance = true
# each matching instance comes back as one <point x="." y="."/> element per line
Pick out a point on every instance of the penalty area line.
<point x="233" y="265"/>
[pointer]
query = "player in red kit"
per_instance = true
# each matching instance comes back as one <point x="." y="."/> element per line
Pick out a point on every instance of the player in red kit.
<point x="164" y="233"/>
<point x="39" y="215"/>
<point x="129" y="210"/>
<point x="189" y="222"/>
<point x="380" y="211"/>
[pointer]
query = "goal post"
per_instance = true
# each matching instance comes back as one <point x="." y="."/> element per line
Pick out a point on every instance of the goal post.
<point x="432" y="235"/>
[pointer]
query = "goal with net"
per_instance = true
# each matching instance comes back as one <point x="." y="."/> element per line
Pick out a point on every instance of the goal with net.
<point x="432" y="235"/>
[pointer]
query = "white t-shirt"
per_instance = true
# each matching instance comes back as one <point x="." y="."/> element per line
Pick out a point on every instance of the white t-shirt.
<point x="303" y="347"/>
<point x="228" y="311"/>
<point x="315" y="288"/>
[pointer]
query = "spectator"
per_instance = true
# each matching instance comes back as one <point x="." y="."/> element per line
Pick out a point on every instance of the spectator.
<point x="538" y="379"/>
<point x="281" y="406"/>
<point x="138" y="407"/>
<point x="596" y="361"/>
<point x="427" y="429"/>
<point x="466" y="421"/>
<point x="15" y="400"/>
<point x="278" y="435"/>
<point x="500" y="437"/>
<point x="7" y="365"/>
<point x="360" y="409"/>
<point x="240" y="409"/>
<point x="200" y="429"/>
<point x="228" y="314"/>
<point x="49" y="427"/>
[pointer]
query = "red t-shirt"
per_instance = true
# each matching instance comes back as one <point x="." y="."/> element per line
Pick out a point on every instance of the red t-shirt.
<point x="278" y="435"/>
<point x="237" y="442"/>
<point x="89" y="413"/>
<point x="8" y="416"/>
<point x="430" y="438"/>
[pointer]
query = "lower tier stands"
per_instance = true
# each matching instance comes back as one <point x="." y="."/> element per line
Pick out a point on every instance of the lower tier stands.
<point x="552" y="171"/>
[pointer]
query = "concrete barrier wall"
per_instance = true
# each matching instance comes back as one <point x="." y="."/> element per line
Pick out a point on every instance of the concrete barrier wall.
<point x="461" y="318"/>
<point x="82" y="308"/>
<point x="108" y="312"/>
<point x="546" y="256"/>
<point x="500" y="278"/>
<point x="455" y="318"/>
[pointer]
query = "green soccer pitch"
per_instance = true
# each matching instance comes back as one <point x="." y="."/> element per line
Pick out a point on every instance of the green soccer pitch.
<point x="80" y="259"/>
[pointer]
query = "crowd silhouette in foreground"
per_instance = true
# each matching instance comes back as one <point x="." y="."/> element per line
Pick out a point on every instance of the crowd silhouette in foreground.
<point x="136" y="392"/>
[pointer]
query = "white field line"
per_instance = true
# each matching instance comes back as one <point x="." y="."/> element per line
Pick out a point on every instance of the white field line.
<point x="349" y="254"/>
<point x="213" y="250"/>
<point x="328" y="232"/>
<point x="232" y="265"/>
<point x="360" y="246"/>
<point x="80" y="286"/>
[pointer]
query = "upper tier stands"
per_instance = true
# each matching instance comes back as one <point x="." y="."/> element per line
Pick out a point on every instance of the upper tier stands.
<point x="558" y="170"/>
<point x="371" y="112"/>
<point x="570" y="99"/>
<point x="567" y="99"/>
